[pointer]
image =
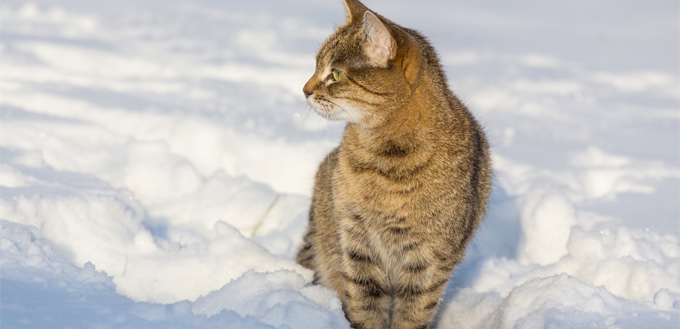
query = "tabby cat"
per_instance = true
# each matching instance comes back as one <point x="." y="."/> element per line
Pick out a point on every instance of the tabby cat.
<point x="396" y="203"/>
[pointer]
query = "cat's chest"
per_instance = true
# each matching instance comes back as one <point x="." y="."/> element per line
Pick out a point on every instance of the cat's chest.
<point x="380" y="200"/>
<point x="380" y="174"/>
<point x="366" y="186"/>
<point x="384" y="211"/>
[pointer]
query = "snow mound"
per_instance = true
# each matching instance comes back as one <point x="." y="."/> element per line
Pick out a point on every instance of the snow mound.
<point x="42" y="290"/>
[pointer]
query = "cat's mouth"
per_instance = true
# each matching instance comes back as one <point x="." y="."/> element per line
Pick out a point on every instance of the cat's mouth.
<point x="323" y="107"/>
<point x="335" y="111"/>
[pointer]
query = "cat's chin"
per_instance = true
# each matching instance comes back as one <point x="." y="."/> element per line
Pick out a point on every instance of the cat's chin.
<point x="332" y="112"/>
<point x="330" y="116"/>
<point x="337" y="115"/>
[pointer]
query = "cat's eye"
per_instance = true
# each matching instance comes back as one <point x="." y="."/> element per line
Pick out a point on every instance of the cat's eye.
<point x="337" y="75"/>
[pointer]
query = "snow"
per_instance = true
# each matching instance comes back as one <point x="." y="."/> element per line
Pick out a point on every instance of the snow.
<point x="157" y="159"/>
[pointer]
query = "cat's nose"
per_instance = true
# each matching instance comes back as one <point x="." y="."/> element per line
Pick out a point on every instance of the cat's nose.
<point x="307" y="92"/>
<point x="308" y="89"/>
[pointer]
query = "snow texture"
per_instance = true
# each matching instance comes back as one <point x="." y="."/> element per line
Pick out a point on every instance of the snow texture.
<point x="157" y="159"/>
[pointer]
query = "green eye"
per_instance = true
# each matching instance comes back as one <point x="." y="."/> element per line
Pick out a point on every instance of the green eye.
<point x="337" y="75"/>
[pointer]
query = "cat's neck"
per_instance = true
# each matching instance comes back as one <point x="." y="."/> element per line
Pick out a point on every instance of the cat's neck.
<point x="408" y="129"/>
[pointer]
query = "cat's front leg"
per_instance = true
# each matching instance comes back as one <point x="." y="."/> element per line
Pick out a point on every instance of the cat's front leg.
<point x="423" y="278"/>
<point x="366" y="297"/>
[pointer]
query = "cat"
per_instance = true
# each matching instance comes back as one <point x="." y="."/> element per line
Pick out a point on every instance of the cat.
<point x="395" y="204"/>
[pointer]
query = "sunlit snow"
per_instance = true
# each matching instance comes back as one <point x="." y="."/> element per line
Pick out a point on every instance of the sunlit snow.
<point x="157" y="160"/>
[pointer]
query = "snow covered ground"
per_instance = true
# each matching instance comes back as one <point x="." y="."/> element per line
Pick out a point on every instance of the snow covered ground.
<point x="157" y="158"/>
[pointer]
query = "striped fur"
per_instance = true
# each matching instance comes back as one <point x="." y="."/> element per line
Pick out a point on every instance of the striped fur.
<point x="396" y="203"/>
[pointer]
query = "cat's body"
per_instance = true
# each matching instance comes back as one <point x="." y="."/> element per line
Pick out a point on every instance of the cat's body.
<point x="396" y="203"/>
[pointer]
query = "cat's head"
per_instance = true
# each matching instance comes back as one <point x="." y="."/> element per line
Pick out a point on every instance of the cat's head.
<point x="364" y="70"/>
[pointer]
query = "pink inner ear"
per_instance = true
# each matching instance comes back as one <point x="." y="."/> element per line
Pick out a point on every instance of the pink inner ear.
<point x="384" y="46"/>
<point x="388" y="48"/>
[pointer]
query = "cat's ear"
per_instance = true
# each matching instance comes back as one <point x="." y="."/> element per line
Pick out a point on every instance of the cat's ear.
<point x="381" y="46"/>
<point x="355" y="10"/>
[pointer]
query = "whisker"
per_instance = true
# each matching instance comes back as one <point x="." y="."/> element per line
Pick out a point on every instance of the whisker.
<point x="299" y="126"/>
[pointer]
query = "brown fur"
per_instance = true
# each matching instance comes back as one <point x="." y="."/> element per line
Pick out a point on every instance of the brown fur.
<point x="396" y="203"/>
